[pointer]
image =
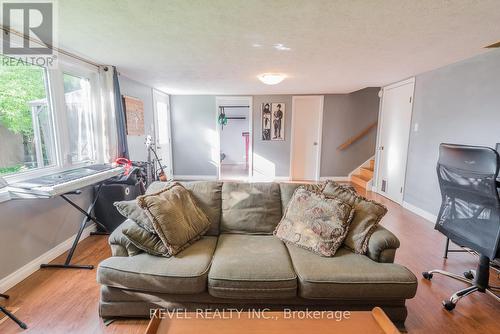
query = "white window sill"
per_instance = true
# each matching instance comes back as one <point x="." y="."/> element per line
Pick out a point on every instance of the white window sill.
<point x="4" y="195"/>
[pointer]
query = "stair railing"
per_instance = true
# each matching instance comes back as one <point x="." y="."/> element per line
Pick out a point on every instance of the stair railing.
<point x="357" y="137"/>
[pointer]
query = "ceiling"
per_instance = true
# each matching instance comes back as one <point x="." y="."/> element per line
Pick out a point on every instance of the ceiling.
<point x="323" y="46"/>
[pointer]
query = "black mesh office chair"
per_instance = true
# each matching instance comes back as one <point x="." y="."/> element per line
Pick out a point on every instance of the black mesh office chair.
<point x="469" y="214"/>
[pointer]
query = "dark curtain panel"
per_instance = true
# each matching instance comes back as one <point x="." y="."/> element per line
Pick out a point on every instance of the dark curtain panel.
<point x="120" y="118"/>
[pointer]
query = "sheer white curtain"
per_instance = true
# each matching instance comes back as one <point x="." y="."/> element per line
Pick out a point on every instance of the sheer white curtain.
<point x="109" y="134"/>
<point x="114" y="137"/>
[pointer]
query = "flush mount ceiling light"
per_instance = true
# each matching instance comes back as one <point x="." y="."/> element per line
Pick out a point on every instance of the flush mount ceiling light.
<point x="271" y="78"/>
<point x="281" y="47"/>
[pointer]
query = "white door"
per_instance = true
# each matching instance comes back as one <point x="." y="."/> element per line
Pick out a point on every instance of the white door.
<point x="163" y="131"/>
<point x="307" y="121"/>
<point x="394" y="134"/>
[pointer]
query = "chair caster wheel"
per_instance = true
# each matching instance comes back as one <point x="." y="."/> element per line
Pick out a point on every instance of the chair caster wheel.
<point x="469" y="275"/>
<point x="427" y="275"/>
<point x="448" y="305"/>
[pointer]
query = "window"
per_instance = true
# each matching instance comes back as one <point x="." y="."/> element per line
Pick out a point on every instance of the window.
<point x="26" y="122"/>
<point x="47" y="118"/>
<point x="79" y="117"/>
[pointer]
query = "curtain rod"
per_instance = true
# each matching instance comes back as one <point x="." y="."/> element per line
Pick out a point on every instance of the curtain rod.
<point x="39" y="42"/>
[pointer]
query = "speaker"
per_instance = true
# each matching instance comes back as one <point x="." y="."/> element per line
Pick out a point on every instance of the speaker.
<point x="105" y="211"/>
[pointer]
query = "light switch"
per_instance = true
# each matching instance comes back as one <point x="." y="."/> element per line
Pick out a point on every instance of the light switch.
<point x="415" y="127"/>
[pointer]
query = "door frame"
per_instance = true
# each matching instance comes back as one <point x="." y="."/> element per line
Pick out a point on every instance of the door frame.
<point x="320" y="134"/>
<point x="156" y="95"/>
<point x="376" y="186"/>
<point x="221" y="100"/>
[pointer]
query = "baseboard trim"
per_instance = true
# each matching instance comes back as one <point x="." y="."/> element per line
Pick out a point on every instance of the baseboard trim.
<point x="335" y="178"/>
<point x="20" y="274"/>
<point x="421" y="212"/>
<point x="195" y="177"/>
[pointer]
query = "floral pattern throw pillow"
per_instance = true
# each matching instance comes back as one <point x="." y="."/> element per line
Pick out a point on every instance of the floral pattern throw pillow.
<point x="315" y="222"/>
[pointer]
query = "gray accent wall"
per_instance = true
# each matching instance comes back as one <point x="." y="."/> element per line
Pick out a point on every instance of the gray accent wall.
<point x="132" y="88"/>
<point x="194" y="132"/>
<point x="344" y="116"/>
<point x="193" y="120"/>
<point x="31" y="228"/>
<point x="460" y="104"/>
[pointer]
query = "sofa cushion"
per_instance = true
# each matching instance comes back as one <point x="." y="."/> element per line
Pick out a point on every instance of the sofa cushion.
<point x="314" y="222"/>
<point x="145" y="240"/>
<point x="252" y="208"/>
<point x="120" y="244"/>
<point x="176" y="217"/>
<point x="350" y="276"/>
<point x="251" y="267"/>
<point x="132" y="210"/>
<point x="287" y="189"/>
<point x="185" y="273"/>
<point x="207" y="195"/>
<point x="367" y="215"/>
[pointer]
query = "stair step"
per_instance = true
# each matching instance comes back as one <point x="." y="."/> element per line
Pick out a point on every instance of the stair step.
<point x="359" y="180"/>
<point x="372" y="164"/>
<point x="366" y="172"/>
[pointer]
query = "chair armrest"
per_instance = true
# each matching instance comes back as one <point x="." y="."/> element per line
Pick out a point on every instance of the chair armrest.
<point x="120" y="244"/>
<point x="382" y="245"/>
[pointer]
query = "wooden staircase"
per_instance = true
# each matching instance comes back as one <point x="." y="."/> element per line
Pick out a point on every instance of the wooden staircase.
<point x="363" y="175"/>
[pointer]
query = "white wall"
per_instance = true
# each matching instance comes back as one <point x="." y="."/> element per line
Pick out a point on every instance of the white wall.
<point x="232" y="143"/>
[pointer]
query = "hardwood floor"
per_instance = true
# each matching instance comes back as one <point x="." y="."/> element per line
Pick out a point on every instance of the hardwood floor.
<point x="65" y="301"/>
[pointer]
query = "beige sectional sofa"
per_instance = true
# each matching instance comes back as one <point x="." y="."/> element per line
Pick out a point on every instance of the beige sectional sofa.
<point x="240" y="264"/>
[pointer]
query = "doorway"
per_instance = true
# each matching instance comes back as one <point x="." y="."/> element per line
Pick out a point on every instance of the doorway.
<point x="234" y="130"/>
<point x="393" y="139"/>
<point x="163" y="140"/>
<point x="307" y="124"/>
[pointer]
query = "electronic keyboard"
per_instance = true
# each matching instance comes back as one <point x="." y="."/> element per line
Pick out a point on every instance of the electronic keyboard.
<point x="63" y="182"/>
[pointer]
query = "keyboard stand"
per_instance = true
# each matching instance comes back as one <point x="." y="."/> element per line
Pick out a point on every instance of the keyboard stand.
<point x="88" y="217"/>
<point x="10" y="315"/>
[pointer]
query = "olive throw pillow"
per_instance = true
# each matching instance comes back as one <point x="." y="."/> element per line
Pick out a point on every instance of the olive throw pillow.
<point x="315" y="222"/>
<point x="367" y="215"/>
<point x="131" y="210"/>
<point x="145" y="240"/>
<point x="176" y="217"/>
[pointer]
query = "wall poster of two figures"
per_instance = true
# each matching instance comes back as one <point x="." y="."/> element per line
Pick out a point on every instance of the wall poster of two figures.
<point x="273" y="121"/>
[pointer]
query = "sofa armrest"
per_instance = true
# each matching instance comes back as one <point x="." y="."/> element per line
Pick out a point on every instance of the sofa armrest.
<point x="382" y="245"/>
<point x="120" y="244"/>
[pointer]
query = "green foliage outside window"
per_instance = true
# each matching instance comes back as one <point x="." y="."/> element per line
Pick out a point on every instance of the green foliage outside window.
<point x="18" y="86"/>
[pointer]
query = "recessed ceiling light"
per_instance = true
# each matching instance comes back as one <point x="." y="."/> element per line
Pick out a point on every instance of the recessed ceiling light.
<point x="257" y="45"/>
<point x="271" y="78"/>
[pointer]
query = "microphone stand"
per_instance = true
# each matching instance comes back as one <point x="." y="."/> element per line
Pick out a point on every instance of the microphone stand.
<point x="151" y="172"/>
